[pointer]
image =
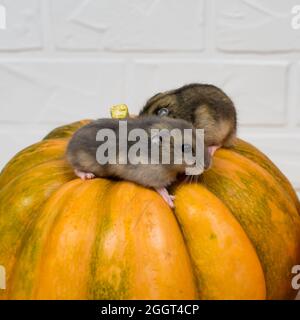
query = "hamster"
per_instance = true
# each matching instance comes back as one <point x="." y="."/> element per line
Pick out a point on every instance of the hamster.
<point x="204" y="105"/>
<point x="82" y="152"/>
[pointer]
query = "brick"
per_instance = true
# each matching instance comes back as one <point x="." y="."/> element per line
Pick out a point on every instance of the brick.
<point x="128" y="25"/>
<point x="48" y="91"/>
<point x="24" y="29"/>
<point x="258" y="89"/>
<point x="256" y="26"/>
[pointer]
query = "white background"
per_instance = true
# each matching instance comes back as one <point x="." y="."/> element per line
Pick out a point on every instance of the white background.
<point x="65" y="60"/>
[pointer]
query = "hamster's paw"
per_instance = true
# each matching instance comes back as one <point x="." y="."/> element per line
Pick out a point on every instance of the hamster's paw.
<point x="166" y="196"/>
<point x="213" y="149"/>
<point x="84" y="175"/>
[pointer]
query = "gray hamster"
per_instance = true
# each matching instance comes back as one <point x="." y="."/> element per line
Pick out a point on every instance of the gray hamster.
<point x="204" y="105"/>
<point x="82" y="152"/>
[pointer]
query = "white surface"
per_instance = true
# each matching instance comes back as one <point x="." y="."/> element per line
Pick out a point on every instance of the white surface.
<point x="64" y="60"/>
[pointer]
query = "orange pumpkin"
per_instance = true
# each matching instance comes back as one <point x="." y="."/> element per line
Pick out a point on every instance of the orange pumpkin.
<point x="234" y="235"/>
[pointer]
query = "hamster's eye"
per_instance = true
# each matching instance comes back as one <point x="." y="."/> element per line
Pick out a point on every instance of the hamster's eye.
<point x="162" y="112"/>
<point x="186" y="148"/>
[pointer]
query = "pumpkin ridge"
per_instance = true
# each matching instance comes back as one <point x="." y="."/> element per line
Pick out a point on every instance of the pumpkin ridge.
<point x="58" y="163"/>
<point x="23" y="204"/>
<point x="250" y="152"/>
<point x="21" y="161"/>
<point x="17" y="270"/>
<point x="145" y="261"/>
<point x="286" y="198"/>
<point x="66" y="131"/>
<point x="209" y="229"/>
<point x="255" y="215"/>
<point x="104" y="289"/>
<point x="56" y="246"/>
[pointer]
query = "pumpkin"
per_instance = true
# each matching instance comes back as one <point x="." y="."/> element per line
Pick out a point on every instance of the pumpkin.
<point x="233" y="235"/>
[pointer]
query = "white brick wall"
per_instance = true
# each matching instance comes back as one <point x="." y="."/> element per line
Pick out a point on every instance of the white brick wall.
<point x="63" y="60"/>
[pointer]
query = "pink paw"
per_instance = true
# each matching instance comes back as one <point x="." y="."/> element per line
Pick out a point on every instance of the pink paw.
<point x="213" y="149"/>
<point x="166" y="196"/>
<point x="84" y="175"/>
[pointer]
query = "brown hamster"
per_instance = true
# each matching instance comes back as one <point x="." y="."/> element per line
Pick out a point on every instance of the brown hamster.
<point x="205" y="105"/>
<point x="83" y="148"/>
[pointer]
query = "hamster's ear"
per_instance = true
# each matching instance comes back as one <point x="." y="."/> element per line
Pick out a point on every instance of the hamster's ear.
<point x="149" y="102"/>
<point x="155" y="96"/>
